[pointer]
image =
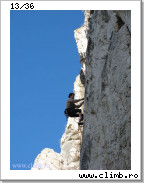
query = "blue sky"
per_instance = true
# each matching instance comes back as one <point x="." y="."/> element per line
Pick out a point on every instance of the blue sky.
<point x="44" y="63"/>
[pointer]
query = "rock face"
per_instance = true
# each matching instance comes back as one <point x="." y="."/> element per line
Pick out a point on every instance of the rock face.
<point x="104" y="47"/>
<point x="106" y="141"/>
<point x="48" y="160"/>
<point x="69" y="158"/>
<point x="71" y="139"/>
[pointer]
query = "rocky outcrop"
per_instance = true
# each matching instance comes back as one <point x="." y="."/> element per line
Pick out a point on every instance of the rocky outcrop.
<point x="71" y="139"/>
<point x="48" y="159"/>
<point x="106" y="141"/>
<point x="69" y="158"/>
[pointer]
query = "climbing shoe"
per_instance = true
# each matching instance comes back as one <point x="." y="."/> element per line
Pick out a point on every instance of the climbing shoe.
<point x="80" y="123"/>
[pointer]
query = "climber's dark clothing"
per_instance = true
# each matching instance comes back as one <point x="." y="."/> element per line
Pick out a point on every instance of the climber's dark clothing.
<point x="73" y="112"/>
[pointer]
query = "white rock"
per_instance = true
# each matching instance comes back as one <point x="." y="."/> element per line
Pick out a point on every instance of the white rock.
<point x="69" y="158"/>
<point x="104" y="47"/>
<point x="106" y="142"/>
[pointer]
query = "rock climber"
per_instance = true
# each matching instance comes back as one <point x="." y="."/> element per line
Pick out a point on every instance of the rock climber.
<point x="71" y="109"/>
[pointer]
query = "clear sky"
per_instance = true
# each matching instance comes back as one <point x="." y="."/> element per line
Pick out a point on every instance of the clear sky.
<point x="44" y="63"/>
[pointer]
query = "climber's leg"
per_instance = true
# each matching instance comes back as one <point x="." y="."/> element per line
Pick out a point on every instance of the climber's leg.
<point x="80" y="123"/>
<point x="76" y="113"/>
<point x="80" y="117"/>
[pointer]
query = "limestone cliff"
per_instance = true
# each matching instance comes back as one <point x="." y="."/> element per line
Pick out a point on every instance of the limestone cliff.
<point x="104" y="47"/>
<point x="106" y="140"/>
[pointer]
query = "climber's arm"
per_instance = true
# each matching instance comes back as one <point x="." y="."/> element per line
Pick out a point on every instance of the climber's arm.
<point x="77" y="100"/>
<point x="78" y="106"/>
